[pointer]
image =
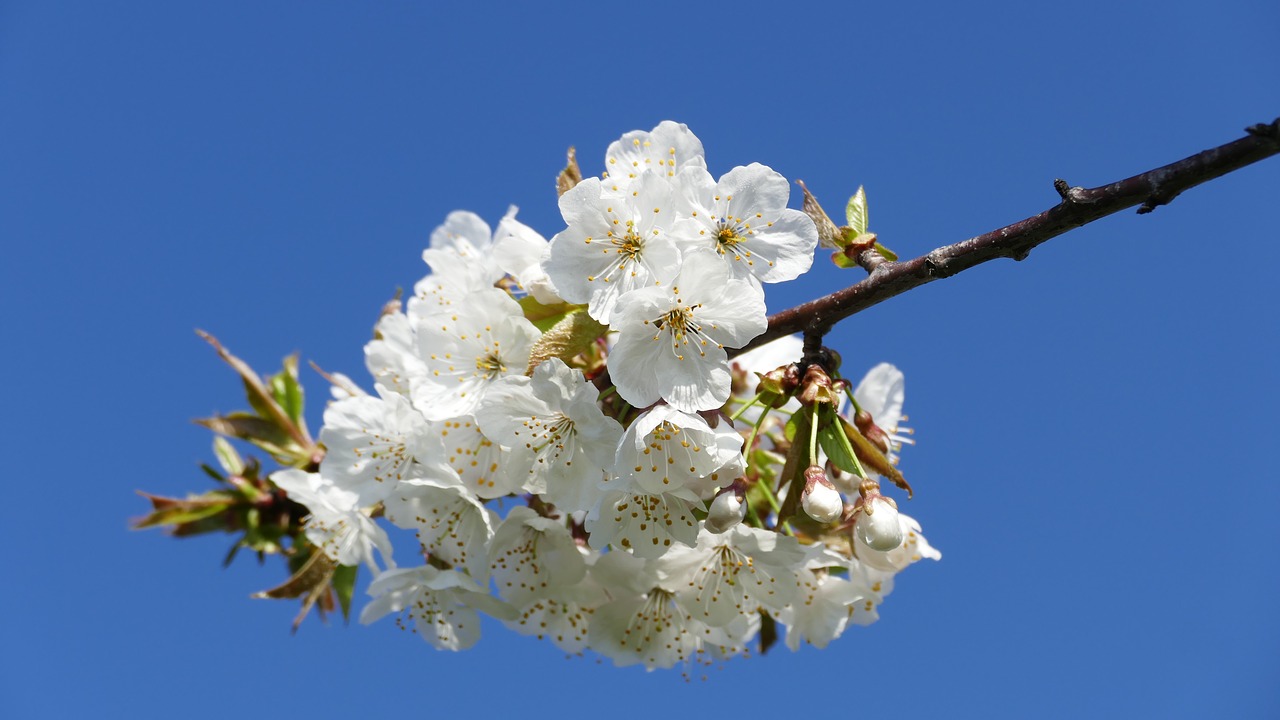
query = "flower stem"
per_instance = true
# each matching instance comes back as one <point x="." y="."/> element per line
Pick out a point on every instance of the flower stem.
<point x="750" y="403"/>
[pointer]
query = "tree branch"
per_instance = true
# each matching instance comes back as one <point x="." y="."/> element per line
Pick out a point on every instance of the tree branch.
<point x="1079" y="206"/>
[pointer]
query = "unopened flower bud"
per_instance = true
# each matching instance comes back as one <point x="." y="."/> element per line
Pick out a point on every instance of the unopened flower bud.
<point x="727" y="509"/>
<point x="821" y="501"/>
<point x="816" y="387"/>
<point x="778" y="385"/>
<point x="877" y="524"/>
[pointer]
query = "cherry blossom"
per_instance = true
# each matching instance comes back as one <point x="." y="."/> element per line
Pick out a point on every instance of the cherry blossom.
<point x="336" y="524"/>
<point x="672" y="339"/>
<point x="468" y="348"/>
<point x="441" y="605"/>
<point x="745" y="219"/>
<point x="616" y="242"/>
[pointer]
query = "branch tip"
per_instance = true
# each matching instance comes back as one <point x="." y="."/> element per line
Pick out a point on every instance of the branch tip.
<point x="1080" y="207"/>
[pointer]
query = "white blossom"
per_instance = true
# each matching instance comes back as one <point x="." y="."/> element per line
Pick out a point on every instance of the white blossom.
<point x="519" y="250"/>
<point x="555" y="430"/>
<point x="744" y="218"/>
<point x="665" y="450"/>
<point x="336" y="523"/>
<point x="391" y="357"/>
<point x="616" y="242"/>
<point x="462" y="262"/>
<point x="564" y="614"/>
<point x="374" y="442"/>
<point x="821" y="610"/>
<point x="441" y="605"/>
<point x="663" y="151"/>
<point x="644" y="623"/>
<point x="451" y="523"/>
<point x="533" y="556"/>
<point x="484" y="467"/>
<point x="820" y="499"/>
<point x="611" y="552"/>
<point x="645" y="524"/>
<point x="731" y="574"/>
<point x="672" y="339"/>
<point x="466" y="349"/>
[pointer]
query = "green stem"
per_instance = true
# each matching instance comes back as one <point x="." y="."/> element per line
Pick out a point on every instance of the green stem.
<point x="768" y="495"/>
<point x="738" y="413"/>
<point x="751" y="441"/>
<point x="813" y="436"/>
<point x="848" y="390"/>
<point x="848" y="447"/>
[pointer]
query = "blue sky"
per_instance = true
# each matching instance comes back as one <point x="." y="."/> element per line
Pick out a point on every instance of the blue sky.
<point x="1096" y="424"/>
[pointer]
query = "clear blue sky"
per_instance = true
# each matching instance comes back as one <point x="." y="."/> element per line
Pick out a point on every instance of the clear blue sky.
<point x="1096" y="425"/>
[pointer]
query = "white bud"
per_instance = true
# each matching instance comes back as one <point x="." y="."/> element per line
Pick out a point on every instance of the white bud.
<point x="877" y="525"/>
<point x="727" y="510"/>
<point x="821" y="501"/>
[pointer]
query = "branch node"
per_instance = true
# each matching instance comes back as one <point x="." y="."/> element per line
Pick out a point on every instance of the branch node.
<point x="1071" y="195"/>
<point x="1266" y="131"/>
<point x="935" y="265"/>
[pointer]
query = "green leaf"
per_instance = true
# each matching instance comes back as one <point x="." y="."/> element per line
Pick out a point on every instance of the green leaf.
<point x="798" y="425"/>
<point x="837" y="447"/>
<point x="344" y="586"/>
<point x="886" y="253"/>
<point x="842" y="261"/>
<point x="228" y="458"/>
<point x="856" y="211"/>
<point x="260" y="398"/>
<point x="286" y="391"/>
<point x="212" y="473"/>
<point x="545" y="317"/>
<point x="263" y="433"/>
<point x="171" y="511"/>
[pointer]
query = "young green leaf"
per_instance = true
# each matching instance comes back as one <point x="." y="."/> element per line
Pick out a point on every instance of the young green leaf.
<point x="837" y="449"/>
<point x="286" y="390"/>
<point x="856" y="211"/>
<point x="842" y="261"/>
<point x="344" y="586"/>
<point x="886" y="253"/>
<point x="228" y="458"/>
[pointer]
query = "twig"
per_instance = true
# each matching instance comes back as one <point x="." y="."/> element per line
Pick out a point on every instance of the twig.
<point x="1079" y="206"/>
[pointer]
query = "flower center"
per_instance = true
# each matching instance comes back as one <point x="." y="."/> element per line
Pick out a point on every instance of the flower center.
<point x="679" y="322"/>
<point x="726" y="237"/>
<point x="491" y="365"/>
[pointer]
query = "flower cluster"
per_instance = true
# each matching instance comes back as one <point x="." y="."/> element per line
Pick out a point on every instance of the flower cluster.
<point x="664" y="502"/>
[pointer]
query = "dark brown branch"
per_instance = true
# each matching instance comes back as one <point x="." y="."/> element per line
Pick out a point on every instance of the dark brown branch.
<point x="1079" y="206"/>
